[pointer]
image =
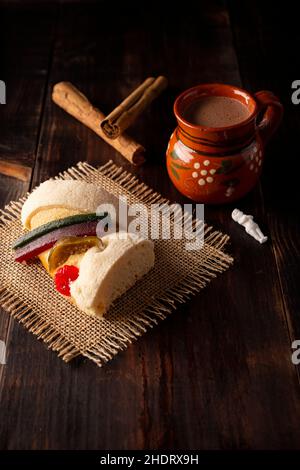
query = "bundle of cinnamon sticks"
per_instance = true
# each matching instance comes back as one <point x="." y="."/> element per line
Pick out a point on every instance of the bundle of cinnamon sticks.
<point x="111" y="128"/>
<point x="126" y="113"/>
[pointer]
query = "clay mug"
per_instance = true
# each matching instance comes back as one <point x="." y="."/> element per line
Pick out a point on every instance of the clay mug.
<point x="220" y="165"/>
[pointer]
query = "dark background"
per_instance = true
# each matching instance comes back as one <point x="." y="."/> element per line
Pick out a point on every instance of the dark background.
<point x="218" y="372"/>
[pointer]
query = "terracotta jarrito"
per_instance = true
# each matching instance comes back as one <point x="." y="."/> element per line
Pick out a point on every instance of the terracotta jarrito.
<point x="220" y="165"/>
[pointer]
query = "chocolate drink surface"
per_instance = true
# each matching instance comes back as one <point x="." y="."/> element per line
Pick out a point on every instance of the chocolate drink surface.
<point x="216" y="111"/>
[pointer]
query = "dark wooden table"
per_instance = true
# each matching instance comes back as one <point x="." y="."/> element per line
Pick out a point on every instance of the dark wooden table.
<point x="218" y="372"/>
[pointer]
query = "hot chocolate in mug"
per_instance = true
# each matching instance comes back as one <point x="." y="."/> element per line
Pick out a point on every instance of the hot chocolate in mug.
<point x="215" y="154"/>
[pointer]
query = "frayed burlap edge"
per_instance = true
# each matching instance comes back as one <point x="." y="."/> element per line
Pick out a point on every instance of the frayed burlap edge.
<point x="122" y="182"/>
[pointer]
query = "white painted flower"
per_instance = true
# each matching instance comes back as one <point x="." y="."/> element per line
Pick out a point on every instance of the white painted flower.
<point x="201" y="182"/>
<point x="203" y="172"/>
<point x="206" y="162"/>
<point x="212" y="171"/>
<point x="197" y="165"/>
<point x="195" y="174"/>
<point x="209" y="179"/>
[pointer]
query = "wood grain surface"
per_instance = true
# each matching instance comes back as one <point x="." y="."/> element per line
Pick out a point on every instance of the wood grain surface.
<point x="218" y="372"/>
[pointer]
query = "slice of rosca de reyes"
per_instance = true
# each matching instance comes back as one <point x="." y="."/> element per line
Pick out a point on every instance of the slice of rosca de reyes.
<point x="56" y="199"/>
<point x="107" y="273"/>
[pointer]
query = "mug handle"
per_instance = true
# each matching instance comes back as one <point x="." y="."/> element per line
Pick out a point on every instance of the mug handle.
<point x="272" y="110"/>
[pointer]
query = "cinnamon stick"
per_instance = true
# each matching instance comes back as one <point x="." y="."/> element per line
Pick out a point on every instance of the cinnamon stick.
<point x="130" y="108"/>
<point x="68" y="97"/>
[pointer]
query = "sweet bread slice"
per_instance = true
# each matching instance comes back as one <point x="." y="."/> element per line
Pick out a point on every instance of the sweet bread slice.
<point x="56" y="198"/>
<point x="108" y="272"/>
<point x="91" y="272"/>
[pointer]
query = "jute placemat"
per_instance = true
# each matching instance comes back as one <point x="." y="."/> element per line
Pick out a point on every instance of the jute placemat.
<point x="27" y="292"/>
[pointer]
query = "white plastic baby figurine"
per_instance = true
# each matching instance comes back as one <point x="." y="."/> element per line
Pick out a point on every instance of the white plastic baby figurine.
<point x="250" y="226"/>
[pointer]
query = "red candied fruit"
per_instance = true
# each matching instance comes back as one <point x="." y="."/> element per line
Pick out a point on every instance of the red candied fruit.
<point x="63" y="277"/>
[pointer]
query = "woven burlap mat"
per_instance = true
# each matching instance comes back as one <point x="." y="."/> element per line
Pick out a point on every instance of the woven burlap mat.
<point x="27" y="293"/>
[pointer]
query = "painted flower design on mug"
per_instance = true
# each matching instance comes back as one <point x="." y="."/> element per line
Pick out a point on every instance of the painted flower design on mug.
<point x="255" y="162"/>
<point x="253" y="157"/>
<point x="203" y="172"/>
